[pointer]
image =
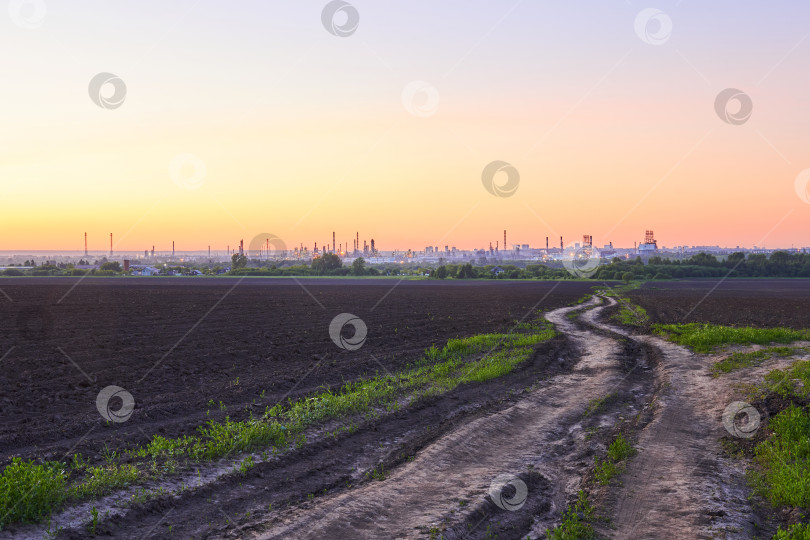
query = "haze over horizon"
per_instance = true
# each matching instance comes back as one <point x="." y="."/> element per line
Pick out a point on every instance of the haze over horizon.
<point x="251" y="118"/>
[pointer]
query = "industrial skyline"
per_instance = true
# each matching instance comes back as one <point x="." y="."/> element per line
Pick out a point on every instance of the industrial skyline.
<point x="369" y="248"/>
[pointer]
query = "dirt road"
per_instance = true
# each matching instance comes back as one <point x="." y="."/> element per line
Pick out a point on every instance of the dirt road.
<point x="540" y="433"/>
<point x="679" y="484"/>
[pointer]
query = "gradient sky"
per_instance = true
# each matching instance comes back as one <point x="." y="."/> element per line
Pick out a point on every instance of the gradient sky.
<point x="303" y="132"/>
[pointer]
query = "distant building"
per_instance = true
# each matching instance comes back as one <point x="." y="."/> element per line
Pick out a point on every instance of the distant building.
<point x="649" y="246"/>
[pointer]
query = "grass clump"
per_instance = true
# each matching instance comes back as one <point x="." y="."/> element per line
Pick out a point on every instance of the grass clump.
<point x="704" y="337"/>
<point x="799" y="531"/>
<point x="618" y="451"/>
<point x="575" y="522"/>
<point x="740" y="360"/>
<point x="103" y="479"/>
<point x="783" y="475"/>
<point x="792" y="383"/>
<point x="29" y="492"/>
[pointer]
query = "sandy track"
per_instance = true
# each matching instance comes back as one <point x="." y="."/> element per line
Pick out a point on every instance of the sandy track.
<point x="679" y="485"/>
<point x="462" y="464"/>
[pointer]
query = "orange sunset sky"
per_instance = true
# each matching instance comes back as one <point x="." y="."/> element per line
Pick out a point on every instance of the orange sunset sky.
<point x="302" y="132"/>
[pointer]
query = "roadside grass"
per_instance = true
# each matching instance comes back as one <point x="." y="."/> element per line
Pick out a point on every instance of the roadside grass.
<point x="575" y="522"/>
<point x="598" y="404"/>
<point x="629" y="314"/>
<point x="618" y="451"/>
<point x="792" y="383"/>
<point x="30" y="492"/>
<point x="781" y="462"/>
<point x="799" y="531"/>
<point x="704" y="337"/>
<point x="740" y="360"/>
<point x="783" y="475"/>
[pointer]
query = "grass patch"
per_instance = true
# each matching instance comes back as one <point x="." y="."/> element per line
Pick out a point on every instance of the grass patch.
<point x="706" y="337"/>
<point x="792" y="383"/>
<point x="29" y="491"/>
<point x="598" y="404"/>
<point x="629" y="314"/>
<point x="740" y="360"/>
<point x="618" y="451"/>
<point x="575" y="522"/>
<point x="103" y="479"/>
<point x="783" y="475"/>
<point x="799" y="531"/>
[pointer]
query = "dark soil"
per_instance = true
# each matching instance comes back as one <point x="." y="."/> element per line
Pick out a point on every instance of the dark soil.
<point x="738" y="302"/>
<point x="176" y="344"/>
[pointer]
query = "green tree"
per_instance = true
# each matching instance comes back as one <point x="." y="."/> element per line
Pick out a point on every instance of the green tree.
<point x="326" y="262"/>
<point x="359" y="266"/>
<point x="627" y="277"/>
<point x="114" y="266"/>
<point x="440" y="272"/>
<point x="465" y="271"/>
<point x="238" y="260"/>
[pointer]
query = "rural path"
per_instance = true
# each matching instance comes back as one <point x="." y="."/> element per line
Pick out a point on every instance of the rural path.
<point x="679" y="484"/>
<point x="462" y="464"/>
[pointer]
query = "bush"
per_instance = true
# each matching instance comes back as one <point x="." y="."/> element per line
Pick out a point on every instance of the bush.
<point x="13" y="272"/>
<point x="627" y="277"/>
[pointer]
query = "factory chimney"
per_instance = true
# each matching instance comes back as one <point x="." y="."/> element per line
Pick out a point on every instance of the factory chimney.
<point x="85" y="244"/>
<point x="333" y="241"/>
<point x="172" y="248"/>
<point x="561" y="244"/>
<point x="504" y="239"/>
<point x="111" y="250"/>
<point x="546" y="243"/>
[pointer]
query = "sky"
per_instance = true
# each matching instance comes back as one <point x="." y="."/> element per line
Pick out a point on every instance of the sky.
<point x="246" y="118"/>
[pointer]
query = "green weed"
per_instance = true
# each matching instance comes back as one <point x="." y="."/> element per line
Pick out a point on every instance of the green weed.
<point x="706" y="337"/>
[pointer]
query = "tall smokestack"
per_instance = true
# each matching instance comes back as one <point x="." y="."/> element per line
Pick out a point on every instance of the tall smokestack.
<point x="85" y="244"/>
<point x="561" y="244"/>
<point x="504" y="239"/>
<point x="172" y="248"/>
<point x="333" y="241"/>
<point x="546" y="243"/>
<point x="111" y="250"/>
